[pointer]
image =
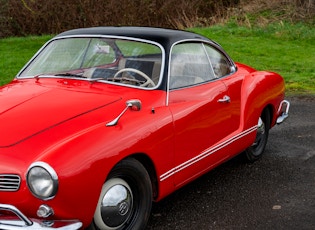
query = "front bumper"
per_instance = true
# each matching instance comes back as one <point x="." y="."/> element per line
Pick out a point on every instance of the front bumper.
<point x="13" y="219"/>
<point x="283" y="111"/>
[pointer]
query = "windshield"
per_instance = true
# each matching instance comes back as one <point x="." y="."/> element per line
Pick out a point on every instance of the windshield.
<point x="121" y="61"/>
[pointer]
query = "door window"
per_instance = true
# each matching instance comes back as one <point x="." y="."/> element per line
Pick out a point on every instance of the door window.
<point x="189" y="65"/>
<point x="220" y="64"/>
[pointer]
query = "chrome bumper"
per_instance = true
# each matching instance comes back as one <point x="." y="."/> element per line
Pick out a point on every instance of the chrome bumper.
<point x="13" y="219"/>
<point x="284" y="110"/>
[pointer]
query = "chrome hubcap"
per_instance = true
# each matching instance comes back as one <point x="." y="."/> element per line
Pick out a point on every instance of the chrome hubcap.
<point x="115" y="205"/>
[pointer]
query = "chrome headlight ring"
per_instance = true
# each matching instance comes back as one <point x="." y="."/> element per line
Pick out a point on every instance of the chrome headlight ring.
<point x="42" y="180"/>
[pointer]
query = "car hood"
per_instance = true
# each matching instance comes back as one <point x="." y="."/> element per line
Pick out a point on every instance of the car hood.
<point x="28" y="109"/>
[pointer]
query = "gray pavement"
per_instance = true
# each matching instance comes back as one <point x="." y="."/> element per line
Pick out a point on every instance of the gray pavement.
<point x="276" y="192"/>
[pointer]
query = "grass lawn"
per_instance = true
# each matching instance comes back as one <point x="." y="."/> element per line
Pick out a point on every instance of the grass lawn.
<point x="15" y="53"/>
<point x="283" y="48"/>
<point x="286" y="49"/>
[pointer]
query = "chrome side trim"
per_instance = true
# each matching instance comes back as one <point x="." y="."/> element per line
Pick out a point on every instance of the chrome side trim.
<point x="206" y="153"/>
<point x="285" y="114"/>
<point x="22" y="222"/>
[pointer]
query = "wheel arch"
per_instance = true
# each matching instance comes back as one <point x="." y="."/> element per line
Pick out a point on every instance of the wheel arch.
<point x="269" y="109"/>
<point x="133" y="172"/>
<point x="148" y="164"/>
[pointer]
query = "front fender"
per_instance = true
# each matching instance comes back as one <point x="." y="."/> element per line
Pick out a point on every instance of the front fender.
<point x="84" y="159"/>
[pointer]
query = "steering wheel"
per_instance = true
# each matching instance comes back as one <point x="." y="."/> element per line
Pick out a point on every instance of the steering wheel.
<point x="146" y="77"/>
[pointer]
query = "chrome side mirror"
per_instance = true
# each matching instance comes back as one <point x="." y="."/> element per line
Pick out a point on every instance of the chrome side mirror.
<point x="134" y="105"/>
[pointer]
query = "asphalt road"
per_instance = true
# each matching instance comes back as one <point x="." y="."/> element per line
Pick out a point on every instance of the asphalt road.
<point x="276" y="192"/>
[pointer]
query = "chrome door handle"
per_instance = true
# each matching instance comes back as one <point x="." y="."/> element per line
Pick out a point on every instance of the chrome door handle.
<point x="225" y="99"/>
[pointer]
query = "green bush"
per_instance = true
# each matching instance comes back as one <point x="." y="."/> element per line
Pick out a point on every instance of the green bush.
<point x="36" y="17"/>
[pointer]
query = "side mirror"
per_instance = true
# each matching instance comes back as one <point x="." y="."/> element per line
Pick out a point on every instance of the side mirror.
<point x="134" y="105"/>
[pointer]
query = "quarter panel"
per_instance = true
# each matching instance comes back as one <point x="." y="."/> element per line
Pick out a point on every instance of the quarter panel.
<point x="259" y="90"/>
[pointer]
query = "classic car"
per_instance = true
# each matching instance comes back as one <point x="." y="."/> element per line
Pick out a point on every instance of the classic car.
<point x="104" y="121"/>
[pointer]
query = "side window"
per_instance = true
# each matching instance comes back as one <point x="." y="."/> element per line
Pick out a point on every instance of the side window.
<point x="189" y="65"/>
<point x="220" y="64"/>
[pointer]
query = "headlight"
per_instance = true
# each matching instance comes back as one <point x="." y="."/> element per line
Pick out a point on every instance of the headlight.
<point x="42" y="180"/>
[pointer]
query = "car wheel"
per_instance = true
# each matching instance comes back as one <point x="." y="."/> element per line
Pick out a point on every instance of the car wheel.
<point x="255" y="151"/>
<point x="126" y="198"/>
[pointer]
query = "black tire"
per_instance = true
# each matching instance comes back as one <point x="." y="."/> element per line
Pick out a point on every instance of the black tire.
<point x="129" y="183"/>
<point x="256" y="150"/>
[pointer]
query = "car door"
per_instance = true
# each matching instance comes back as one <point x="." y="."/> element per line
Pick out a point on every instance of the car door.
<point x="200" y="105"/>
<point x="225" y="70"/>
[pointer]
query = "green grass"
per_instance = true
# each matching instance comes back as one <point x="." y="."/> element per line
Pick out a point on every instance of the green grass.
<point x="15" y="52"/>
<point x="283" y="48"/>
<point x="288" y="49"/>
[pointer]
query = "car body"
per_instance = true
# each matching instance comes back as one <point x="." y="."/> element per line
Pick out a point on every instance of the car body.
<point x="102" y="121"/>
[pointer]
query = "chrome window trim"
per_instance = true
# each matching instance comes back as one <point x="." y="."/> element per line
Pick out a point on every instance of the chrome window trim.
<point x="203" y="42"/>
<point x="100" y="36"/>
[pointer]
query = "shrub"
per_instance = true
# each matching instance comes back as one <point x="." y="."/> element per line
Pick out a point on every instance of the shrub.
<point x="36" y="17"/>
<point x="25" y="17"/>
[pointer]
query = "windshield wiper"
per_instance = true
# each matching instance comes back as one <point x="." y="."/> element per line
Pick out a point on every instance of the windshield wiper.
<point x="126" y="80"/>
<point x="70" y="75"/>
<point x="80" y="76"/>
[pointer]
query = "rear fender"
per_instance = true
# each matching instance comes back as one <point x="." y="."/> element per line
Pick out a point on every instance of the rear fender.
<point x="260" y="89"/>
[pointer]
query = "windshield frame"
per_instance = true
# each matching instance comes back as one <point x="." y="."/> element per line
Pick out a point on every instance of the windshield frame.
<point x="132" y="39"/>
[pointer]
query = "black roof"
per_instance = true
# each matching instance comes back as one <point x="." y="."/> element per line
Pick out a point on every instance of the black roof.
<point x="160" y="35"/>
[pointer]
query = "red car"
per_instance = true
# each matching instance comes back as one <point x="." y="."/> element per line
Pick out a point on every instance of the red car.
<point x="103" y="121"/>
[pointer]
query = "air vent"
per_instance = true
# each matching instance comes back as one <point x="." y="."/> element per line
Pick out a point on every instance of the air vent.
<point x="9" y="182"/>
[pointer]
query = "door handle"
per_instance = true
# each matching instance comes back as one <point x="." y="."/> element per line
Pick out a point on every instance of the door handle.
<point x="225" y="99"/>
